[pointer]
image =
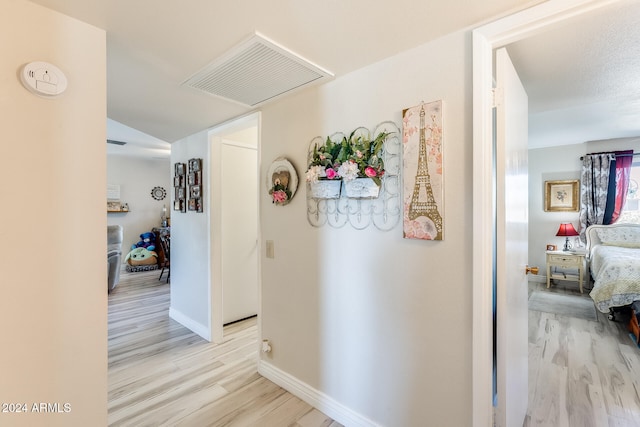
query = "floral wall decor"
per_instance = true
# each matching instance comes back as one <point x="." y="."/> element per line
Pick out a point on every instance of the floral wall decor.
<point x="282" y="181"/>
<point x="422" y="168"/>
<point x="354" y="178"/>
<point x="348" y="159"/>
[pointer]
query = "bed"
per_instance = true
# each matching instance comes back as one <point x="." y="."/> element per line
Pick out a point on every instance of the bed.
<point x="613" y="252"/>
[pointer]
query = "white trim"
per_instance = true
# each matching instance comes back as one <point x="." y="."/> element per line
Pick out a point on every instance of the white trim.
<point x="189" y="323"/>
<point x="215" y="242"/>
<point x="313" y="397"/>
<point x="239" y="144"/>
<point x="485" y="39"/>
<point x="482" y="338"/>
<point x="538" y="278"/>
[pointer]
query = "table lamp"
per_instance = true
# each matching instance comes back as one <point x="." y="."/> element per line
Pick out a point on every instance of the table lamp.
<point x="566" y="229"/>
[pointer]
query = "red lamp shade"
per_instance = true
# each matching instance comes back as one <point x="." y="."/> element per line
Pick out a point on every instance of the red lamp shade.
<point x="566" y="229"/>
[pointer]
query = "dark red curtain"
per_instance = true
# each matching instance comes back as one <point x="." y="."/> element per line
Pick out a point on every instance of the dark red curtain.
<point x="624" y="159"/>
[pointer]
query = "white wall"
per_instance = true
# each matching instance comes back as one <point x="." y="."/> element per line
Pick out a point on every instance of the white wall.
<point x="558" y="163"/>
<point x="379" y="324"/>
<point x="190" y="245"/>
<point x="53" y="300"/>
<point x="136" y="177"/>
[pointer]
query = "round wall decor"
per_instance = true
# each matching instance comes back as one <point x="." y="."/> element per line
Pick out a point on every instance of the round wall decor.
<point x="282" y="181"/>
<point x="158" y="193"/>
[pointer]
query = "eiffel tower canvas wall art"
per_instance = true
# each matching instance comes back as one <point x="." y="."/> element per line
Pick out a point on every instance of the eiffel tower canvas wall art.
<point x="422" y="172"/>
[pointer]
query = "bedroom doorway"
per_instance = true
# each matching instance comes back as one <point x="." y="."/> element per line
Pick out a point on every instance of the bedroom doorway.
<point x="485" y="39"/>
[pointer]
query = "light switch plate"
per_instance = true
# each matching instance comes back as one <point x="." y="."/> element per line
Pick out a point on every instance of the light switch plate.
<point x="270" y="249"/>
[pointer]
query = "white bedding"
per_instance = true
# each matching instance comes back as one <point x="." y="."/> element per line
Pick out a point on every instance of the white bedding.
<point x="616" y="274"/>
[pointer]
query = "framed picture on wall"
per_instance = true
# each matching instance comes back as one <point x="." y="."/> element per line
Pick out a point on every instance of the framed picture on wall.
<point x="194" y="178"/>
<point x="195" y="165"/>
<point x="423" y="175"/>
<point x="562" y="196"/>
<point x="180" y="193"/>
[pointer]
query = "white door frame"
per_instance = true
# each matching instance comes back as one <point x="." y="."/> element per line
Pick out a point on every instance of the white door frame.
<point x="216" y="322"/>
<point x="485" y="39"/>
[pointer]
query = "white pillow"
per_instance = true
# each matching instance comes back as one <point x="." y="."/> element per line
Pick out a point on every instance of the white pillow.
<point x="628" y="237"/>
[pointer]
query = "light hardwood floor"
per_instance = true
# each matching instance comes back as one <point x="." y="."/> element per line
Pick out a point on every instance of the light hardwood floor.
<point x="581" y="373"/>
<point x="162" y="374"/>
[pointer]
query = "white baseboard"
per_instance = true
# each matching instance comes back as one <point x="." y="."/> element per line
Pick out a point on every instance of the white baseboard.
<point x="537" y="278"/>
<point x="189" y="323"/>
<point x="313" y="397"/>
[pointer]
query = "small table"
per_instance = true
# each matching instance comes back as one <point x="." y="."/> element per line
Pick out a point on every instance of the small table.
<point x="562" y="259"/>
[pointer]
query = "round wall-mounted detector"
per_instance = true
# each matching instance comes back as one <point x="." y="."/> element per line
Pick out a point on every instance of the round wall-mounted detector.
<point x="43" y="79"/>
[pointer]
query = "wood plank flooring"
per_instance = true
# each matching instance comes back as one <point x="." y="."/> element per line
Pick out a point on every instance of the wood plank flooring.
<point x="581" y="373"/>
<point x="162" y="374"/>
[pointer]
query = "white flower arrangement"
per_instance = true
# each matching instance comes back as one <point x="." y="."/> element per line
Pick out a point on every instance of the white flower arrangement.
<point x="355" y="157"/>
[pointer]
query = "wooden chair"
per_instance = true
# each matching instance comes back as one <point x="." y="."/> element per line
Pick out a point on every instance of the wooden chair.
<point x="114" y="255"/>
<point x="165" y="261"/>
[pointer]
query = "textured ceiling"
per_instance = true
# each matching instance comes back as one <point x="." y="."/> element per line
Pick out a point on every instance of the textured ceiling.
<point x="583" y="77"/>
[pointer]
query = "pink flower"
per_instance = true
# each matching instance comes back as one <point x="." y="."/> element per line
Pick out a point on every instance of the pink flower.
<point x="331" y="173"/>
<point x="279" y="196"/>
<point x="370" y="172"/>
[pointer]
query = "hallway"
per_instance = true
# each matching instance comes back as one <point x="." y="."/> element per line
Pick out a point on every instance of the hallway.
<point x="162" y="374"/>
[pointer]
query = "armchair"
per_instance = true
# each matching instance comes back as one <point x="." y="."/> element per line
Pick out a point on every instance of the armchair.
<point x="114" y="255"/>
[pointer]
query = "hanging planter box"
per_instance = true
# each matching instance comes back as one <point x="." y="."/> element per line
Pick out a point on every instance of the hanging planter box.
<point x="361" y="188"/>
<point x="326" y="189"/>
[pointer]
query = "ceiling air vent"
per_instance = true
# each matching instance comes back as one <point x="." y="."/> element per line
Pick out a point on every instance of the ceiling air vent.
<point x="111" y="141"/>
<point x="255" y="72"/>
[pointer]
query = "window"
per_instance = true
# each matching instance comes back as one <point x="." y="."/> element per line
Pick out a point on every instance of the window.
<point x="631" y="211"/>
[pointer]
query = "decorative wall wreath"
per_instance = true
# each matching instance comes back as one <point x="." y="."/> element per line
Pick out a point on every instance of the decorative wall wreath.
<point x="282" y="181"/>
<point x="158" y="193"/>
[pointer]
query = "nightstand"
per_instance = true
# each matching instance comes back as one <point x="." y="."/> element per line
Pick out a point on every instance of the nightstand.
<point x="566" y="260"/>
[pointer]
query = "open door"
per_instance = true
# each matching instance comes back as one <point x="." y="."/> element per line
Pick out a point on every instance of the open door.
<point x="239" y="232"/>
<point x="234" y="263"/>
<point x="511" y="244"/>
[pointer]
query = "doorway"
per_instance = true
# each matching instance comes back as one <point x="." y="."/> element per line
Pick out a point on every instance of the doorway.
<point x="239" y="226"/>
<point x="485" y="39"/>
<point x="234" y="267"/>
